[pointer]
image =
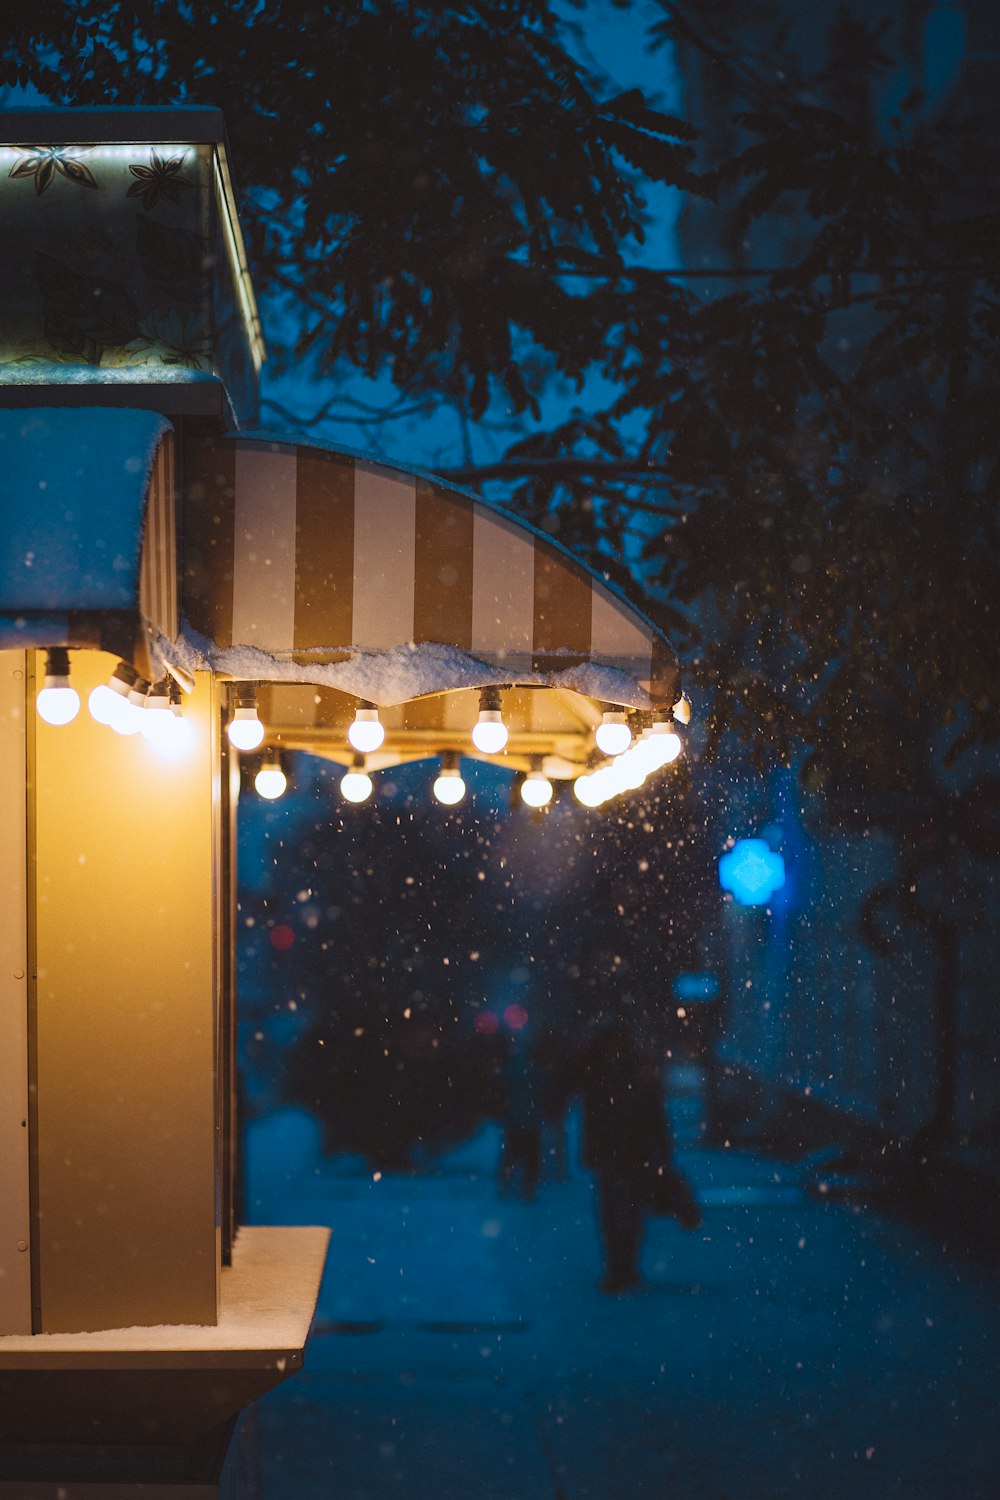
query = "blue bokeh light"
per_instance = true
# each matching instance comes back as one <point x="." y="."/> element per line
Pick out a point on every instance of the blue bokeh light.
<point x="752" y="871"/>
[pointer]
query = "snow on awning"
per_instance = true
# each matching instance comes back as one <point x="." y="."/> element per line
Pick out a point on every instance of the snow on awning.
<point x="302" y="564"/>
<point x="88" y="545"/>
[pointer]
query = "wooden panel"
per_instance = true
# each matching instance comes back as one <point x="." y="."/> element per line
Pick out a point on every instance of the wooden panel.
<point x="15" y="1260"/>
<point x="126" y="920"/>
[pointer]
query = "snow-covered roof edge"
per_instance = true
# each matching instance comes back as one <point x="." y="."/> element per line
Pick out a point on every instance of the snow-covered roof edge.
<point x="395" y="676"/>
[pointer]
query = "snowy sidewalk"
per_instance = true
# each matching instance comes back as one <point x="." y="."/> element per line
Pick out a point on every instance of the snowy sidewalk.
<point x="789" y="1348"/>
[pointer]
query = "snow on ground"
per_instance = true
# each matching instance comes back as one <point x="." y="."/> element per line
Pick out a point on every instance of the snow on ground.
<point x="790" y="1348"/>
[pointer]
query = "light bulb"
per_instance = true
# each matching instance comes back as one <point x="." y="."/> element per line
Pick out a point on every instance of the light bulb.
<point x="672" y="745"/>
<point x="682" y="709"/>
<point x="180" y="735"/>
<point x="536" y="789"/>
<point x="102" y="703"/>
<point x="602" y="785"/>
<point x="661" y="744"/>
<point x="124" y="717"/>
<point x="271" y="781"/>
<point x="245" y="730"/>
<point x="57" y="703"/>
<point x="356" y="786"/>
<point x="489" y="733"/>
<point x="585" y="791"/>
<point x="156" y="716"/>
<point x="613" y="734"/>
<point x="367" y="732"/>
<point x="108" y="700"/>
<point x="449" y="787"/>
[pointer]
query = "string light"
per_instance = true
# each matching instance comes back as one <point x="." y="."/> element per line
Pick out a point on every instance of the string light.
<point x="613" y="734"/>
<point x="536" y="789"/>
<point x="271" y="781"/>
<point x="367" y="732"/>
<point x="489" y="733"/>
<point x="356" y="785"/>
<point x="109" y="702"/>
<point x="449" y="788"/>
<point x="57" y="703"/>
<point x="245" y="730"/>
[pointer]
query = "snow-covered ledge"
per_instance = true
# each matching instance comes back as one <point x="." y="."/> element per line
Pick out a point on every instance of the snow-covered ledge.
<point x="170" y="1387"/>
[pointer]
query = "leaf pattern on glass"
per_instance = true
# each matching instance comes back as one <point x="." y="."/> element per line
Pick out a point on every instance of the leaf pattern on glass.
<point x="169" y="337"/>
<point x="160" y="179"/>
<point x="43" y="162"/>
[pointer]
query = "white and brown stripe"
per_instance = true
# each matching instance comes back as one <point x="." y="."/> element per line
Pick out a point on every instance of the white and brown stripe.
<point x="314" y="556"/>
<point x="158" y="565"/>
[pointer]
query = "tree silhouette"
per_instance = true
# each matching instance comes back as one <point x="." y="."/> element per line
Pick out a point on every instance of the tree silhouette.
<point x="791" y="448"/>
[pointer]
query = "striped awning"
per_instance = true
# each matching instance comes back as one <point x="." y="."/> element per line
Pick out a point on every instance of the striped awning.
<point x="305" y="564"/>
<point x="88" y="540"/>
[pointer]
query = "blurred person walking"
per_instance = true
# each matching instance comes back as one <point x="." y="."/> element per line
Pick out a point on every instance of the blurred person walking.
<point x="627" y="1145"/>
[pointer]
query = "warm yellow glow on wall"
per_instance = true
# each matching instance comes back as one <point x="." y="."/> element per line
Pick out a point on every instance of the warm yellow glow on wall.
<point x="127" y="916"/>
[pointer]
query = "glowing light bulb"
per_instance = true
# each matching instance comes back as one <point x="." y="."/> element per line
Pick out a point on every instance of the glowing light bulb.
<point x="57" y="703"/>
<point x="585" y="791"/>
<point x="356" y="786"/>
<point x="271" y="781"/>
<point x="661" y="744"/>
<point x="180" y="735"/>
<point x="449" y="788"/>
<point x="102" y="703"/>
<point x="124" y="717"/>
<point x="156" y="716"/>
<point x="602" y="785"/>
<point x="489" y="733"/>
<point x="536" y="789"/>
<point x="367" y="732"/>
<point x="613" y="734"/>
<point x="245" y="730"/>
